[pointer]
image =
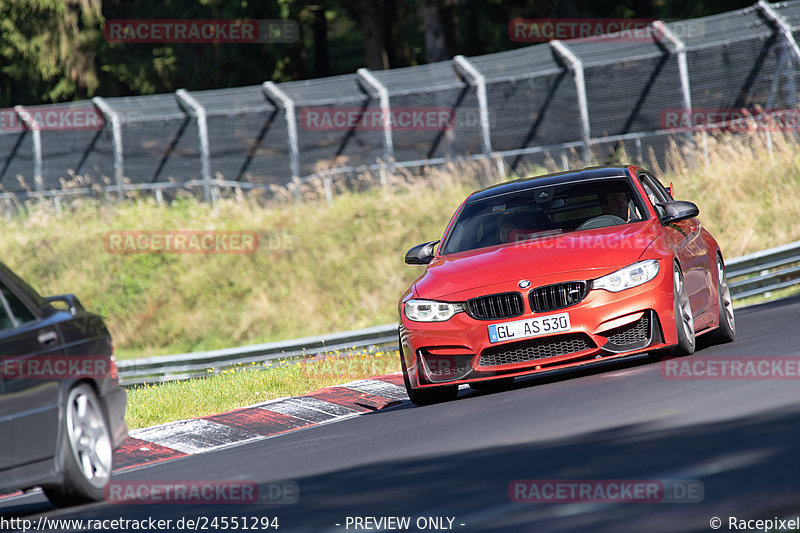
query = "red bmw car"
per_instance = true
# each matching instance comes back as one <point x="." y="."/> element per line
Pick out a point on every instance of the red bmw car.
<point x="557" y="271"/>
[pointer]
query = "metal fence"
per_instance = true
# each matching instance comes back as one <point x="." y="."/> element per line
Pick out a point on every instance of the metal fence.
<point x="546" y="104"/>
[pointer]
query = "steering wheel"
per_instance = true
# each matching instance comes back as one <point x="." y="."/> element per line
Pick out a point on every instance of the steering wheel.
<point x="601" y="221"/>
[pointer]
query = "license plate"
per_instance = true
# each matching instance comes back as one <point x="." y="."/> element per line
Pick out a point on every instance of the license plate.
<point x="530" y="327"/>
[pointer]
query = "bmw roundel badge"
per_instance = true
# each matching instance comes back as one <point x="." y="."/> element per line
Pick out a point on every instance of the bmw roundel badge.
<point x="524" y="284"/>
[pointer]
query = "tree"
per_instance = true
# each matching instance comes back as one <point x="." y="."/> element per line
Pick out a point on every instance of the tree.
<point x="320" y="32"/>
<point x="48" y="49"/>
<point x="435" y="46"/>
<point x="375" y="56"/>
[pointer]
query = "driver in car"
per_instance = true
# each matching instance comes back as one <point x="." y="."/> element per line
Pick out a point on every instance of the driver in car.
<point x="505" y="232"/>
<point x="615" y="203"/>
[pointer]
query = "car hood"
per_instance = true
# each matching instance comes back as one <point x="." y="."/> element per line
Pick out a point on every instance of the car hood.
<point x="600" y="251"/>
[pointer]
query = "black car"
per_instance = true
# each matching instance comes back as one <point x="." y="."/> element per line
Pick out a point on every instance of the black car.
<point x="61" y="407"/>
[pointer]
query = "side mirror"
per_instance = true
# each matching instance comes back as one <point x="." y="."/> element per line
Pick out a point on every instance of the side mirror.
<point x="422" y="254"/>
<point x="73" y="304"/>
<point x="678" y="210"/>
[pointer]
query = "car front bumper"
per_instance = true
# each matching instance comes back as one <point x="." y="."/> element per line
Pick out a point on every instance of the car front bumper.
<point x="603" y="325"/>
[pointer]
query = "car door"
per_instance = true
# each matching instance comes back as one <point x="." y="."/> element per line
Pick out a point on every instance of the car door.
<point x="6" y="426"/>
<point x="685" y="238"/>
<point x="30" y="389"/>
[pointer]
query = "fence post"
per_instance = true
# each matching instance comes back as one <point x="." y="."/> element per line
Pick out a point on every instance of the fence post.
<point x="782" y="25"/>
<point x="383" y="96"/>
<point x="769" y="143"/>
<point x="467" y="69"/>
<point x="786" y="29"/>
<point x="501" y="166"/>
<point x="35" y="130"/>
<point x="683" y="71"/>
<point x="116" y="136"/>
<point x="580" y="86"/>
<point x="187" y="101"/>
<point x="274" y="93"/>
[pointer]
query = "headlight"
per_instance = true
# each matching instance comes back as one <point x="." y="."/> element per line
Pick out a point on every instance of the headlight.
<point x="431" y="311"/>
<point x="630" y="276"/>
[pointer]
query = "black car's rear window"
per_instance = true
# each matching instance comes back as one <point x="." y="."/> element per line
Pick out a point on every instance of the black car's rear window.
<point x="540" y="212"/>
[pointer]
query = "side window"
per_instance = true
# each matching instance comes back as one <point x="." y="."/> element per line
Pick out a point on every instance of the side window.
<point x="655" y="192"/>
<point x="14" y="310"/>
<point x="659" y="188"/>
<point x="6" y="322"/>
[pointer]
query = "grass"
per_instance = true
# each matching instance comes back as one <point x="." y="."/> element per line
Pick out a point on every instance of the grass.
<point x="250" y="384"/>
<point x="748" y="199"/>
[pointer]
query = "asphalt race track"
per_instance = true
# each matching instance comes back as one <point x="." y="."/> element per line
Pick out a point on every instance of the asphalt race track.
<point x="622" y="421"/>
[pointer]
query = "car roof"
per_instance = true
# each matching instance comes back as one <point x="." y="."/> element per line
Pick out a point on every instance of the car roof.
<point x="570" y="176"/>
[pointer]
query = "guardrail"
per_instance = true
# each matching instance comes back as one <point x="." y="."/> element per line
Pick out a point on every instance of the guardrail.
<point x="765" y="271"/>
<point x="162" y="368"/>
<point x="749" y="275"/>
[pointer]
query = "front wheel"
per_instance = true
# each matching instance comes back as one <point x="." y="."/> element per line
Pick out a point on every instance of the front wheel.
<point x="444" y="393"/>
<point x="684" y="320"/>
<point x="86" y="450"/>
<point x="727" y="323"/>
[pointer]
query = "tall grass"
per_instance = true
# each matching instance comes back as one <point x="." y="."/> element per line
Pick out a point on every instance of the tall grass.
<point x="328" y="267"/>
<point x="243" y="385"/>
<point x="749" y="199"/>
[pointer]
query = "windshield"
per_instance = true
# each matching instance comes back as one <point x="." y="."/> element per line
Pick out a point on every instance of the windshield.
<point x="544" y="211"/>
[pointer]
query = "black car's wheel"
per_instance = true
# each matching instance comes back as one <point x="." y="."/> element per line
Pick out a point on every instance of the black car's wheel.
<point x="492" y="385"/>
<point x="86" y="450"/>
<point x="684" y="320"/>
<point x="727" y="322"/>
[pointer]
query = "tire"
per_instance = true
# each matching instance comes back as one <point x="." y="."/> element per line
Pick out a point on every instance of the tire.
<point x="86" y="450"/>
<point x="684" y="321"/>
<point x="444" y="393"/>
<point x="492" y="385"/>
<point x="726" y="331"/>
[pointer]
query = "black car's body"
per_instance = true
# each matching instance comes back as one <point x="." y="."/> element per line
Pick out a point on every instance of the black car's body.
<point x="58" y="426"/>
